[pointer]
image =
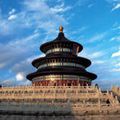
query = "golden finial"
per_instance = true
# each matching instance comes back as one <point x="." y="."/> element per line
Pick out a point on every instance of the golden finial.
<point x="61" y="29"/>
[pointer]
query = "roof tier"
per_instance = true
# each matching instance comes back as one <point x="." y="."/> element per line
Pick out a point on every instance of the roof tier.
<point x="62" y="58"/>
<point x="62" y="41"/>
<point x="62" y="71"/>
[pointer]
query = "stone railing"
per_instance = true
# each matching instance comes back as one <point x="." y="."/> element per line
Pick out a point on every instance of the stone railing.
<point x="57" y="94"/>
<point x="116" y="90"/>
<point x="49" y="92"/>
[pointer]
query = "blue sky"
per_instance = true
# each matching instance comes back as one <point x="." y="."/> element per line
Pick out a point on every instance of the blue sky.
<point x="26" y="24"/>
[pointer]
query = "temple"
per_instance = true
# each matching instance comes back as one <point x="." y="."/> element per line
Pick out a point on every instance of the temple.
<point x="61" y="89"/>
<point x="61" y="65"/>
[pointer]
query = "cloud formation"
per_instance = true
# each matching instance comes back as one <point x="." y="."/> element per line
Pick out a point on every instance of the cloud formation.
<point x="25" y="26"/>
<point x="12" y="17"/>
<point x="20" y="76"/>
<point x="18" y="54"/>
<point x="117" y="6"/>
<point x="98" y="37"/>
<point x="116" y="54"/>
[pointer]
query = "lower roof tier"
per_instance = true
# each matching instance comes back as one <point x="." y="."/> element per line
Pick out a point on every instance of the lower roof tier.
<point x="62" y="71"/>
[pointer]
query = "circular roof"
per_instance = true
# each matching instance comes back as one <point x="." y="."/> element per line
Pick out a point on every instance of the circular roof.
<point x="60" y="39"/>
<point x="62" y="71"/>
<point x="76" y="59"/>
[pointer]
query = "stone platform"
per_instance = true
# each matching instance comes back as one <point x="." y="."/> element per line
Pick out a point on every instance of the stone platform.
<point x="59" y="103"/>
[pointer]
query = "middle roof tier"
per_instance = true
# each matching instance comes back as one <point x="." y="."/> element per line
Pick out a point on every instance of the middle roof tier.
<point x="61" y="58"/>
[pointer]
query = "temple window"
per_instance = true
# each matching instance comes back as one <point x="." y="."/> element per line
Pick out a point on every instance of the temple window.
<point x="55" y="63"/>
<point x="58" y="50"/>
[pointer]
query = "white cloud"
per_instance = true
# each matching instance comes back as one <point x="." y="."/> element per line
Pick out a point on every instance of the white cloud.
<point x="22" y="68"/>
<point x="23" y="41"/>
<point x="12" y="11"/>
<point x="98" y="37"/>
<point x="116" y="70"/>
<point x="36" y="5"/>
<point x="96" y="54"/>
<point x="77" y="31"/>
<point x="117" y="6"/>
<point x="116" y="38"/>
<point x="116" y="26"/>
<point x="43" y="14"/>
<point x="60" y="8"/>
<point x="116" y="54"/>
<point x="17" y="50"/>
<point x="36" y="14"/>
<point x="25" y="65"/>
<point x="12" y="81"/>
<point x="12" y="17"/>
<point x="30" y="59"/>
<point x="117" y="65"/>
<point x="6" y="82"/>
<point x="98" y="62"/>
<point x="20" y="76"/>
<point x="6" y="27"/>
<point x="42" y="6"/>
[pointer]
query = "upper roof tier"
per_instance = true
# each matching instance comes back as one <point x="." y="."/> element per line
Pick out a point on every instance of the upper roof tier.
<point x="61" y="41"/>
